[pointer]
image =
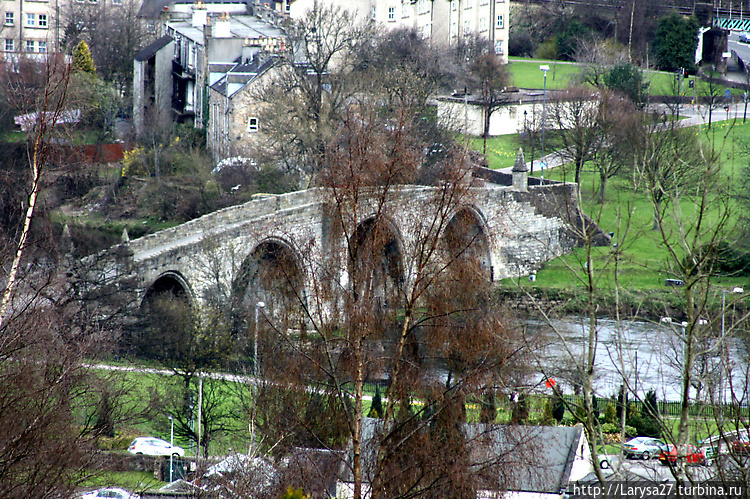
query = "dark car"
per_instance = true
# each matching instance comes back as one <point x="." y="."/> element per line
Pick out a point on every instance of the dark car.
<point x="692" y="455"/>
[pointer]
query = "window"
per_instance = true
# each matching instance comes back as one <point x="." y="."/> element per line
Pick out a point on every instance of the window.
<point x="454" y="29"/>
<point x="467" y="27"/>
<point x="10" y="45"/>
<point x="42" y="21"/>
<point x="252" y="124"/>
<point x="484" y="2"/>
<point x="30" y="19"/>
<point x="29" y="45"/>
<point x="391" y="14"/>
<point x="454" y="5"/>
<point x="499" y="23"/>
<point x="372" y="14"/>
<point x="10" y="19"/>
<point x="499" y="47"/>
<point x="482" y="23"/>
<point x="116" y="2"/>
<point x="43" y="47"/>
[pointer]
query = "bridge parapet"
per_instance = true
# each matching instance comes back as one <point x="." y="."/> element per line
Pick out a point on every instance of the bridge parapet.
<point x="220" y="221"/>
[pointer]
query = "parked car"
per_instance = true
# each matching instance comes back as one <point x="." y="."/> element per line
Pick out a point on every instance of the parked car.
<point x="110" y="492"/>
<point x="693" y="455"/>
<point x="745" y="37"/>
<point x="741" y="446"/>
<point x="643" y="447"/>
<point x="151" y="446"/>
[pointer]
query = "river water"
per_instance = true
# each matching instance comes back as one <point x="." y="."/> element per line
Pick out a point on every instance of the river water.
<point x="646" y="354"/>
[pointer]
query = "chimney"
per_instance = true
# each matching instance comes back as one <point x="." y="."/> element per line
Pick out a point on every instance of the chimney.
<point x="222" y="27"/>
<point x="520" y="173"/>
<point x="200" y="14"/>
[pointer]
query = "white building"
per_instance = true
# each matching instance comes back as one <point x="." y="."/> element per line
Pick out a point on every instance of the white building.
<point x="444" y="21"/>
<point x="29" y="26"/>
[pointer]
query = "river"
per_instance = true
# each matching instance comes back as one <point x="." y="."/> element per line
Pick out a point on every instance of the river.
<point x="648" y="355"/>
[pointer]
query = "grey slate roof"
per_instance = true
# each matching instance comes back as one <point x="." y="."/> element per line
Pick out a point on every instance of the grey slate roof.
<point x="243" y="74"/>
<point x="151" y="50"/>
<point x="537" y="459"/>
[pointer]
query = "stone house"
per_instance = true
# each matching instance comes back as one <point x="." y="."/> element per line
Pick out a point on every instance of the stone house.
<point x="234" y="123"/>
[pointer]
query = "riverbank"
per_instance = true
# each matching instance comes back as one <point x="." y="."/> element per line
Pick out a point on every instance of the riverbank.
<point x="647" y="305"/>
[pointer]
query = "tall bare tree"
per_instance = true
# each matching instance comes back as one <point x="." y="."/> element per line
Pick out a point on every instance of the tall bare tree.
<point x="39" y="92"/>
<point x="492" y="78"/>
<point x="380" y="305"/>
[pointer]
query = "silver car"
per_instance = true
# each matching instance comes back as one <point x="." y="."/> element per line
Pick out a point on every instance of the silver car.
<point x="643" y="447"/>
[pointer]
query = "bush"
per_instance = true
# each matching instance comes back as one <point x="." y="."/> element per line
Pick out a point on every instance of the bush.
<point x="610" y="428"/>
<point x="546" y="50"/>
<point x="610" y="413"/>
<point x="644" y="426"/>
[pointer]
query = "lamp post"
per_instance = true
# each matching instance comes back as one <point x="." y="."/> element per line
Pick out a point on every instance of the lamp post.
<point x="544" y="68"/>
<point x="258" y="306"/>
<point x="256" y="371"/>
<point x="171" y="443"/>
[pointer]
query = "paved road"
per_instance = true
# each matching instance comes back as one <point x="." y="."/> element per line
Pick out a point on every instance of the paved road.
<point x="691" y="115"/>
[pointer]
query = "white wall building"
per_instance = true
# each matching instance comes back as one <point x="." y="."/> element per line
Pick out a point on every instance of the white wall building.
<point x="443" y="21"/>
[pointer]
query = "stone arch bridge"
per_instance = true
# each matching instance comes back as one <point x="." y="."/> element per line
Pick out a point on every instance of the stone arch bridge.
<point x="513" y="231"/>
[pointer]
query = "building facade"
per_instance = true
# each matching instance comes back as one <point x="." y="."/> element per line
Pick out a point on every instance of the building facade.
<point x="205" y="43"/>
<point x="443" y="21"/>
<point x="29" y="26"/>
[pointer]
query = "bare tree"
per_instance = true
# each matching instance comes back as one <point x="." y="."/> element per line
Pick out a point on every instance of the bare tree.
<point x="492" y="78"/>
<point x="574" y="115"/>
<point x="304" y="104"/>
<point x="617" y="121"/>
<point x="40" y="93"/>
<point x="398" y="310"/>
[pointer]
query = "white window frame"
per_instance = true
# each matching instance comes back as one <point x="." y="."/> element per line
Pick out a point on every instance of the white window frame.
<point x="391" y="14"/>
<point x="10" y="19"/>
<point x="253" y="124"/>
<point x="42" y="47"/>
<point x="116" y="2"/>
<point x="454" y="5"/>
<point x="499" y="22"/>
<point x="29" y="46"/>
<point x="30" y="20"/>
<point x="41" y="21"/>
<point x="10" y="45"/>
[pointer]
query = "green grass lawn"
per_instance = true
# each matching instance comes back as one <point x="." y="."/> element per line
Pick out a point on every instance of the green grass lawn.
<point x="644" y="260"/>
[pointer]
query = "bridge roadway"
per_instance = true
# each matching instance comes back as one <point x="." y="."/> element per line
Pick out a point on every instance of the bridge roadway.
<point x="513" y="229"/>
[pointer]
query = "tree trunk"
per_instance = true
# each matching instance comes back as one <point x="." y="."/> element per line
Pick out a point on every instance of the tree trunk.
<point x="602" y="187"/>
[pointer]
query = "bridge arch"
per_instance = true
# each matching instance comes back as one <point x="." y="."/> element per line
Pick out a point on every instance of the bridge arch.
<point x="167" y="316"/>
<point x="271" y="273"/>
<point x="376" y="263"/>
<point x="466" y="237"/>
<point x="170" y="282"/>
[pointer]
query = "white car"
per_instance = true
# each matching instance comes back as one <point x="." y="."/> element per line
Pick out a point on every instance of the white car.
<point x="745" y="37"/>
<point x="151" y="446"/>
<point x="111" y="492"/>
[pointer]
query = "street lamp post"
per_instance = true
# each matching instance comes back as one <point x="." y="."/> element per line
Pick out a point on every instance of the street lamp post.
<point x="256" y="372"/>
<point x="171" y="443"/>
<point x="544" y="68"/>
